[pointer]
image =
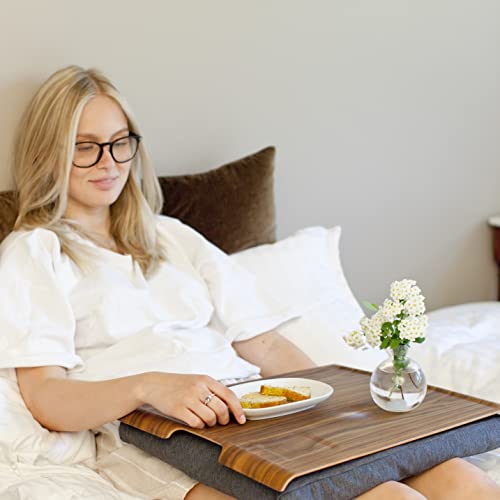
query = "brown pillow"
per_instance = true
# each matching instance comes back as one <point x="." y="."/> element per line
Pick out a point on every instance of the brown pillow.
<point x="232" y="206"/>
<point x="8" y="213"/>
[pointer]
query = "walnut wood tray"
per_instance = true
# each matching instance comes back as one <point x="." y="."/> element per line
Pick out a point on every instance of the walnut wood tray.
<point x="346" y="426"/>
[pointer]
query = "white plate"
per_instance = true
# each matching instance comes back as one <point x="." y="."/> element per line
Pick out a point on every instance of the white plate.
<point x="319" y="392"/>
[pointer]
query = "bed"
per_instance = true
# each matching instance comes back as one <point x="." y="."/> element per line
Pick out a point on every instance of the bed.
<point x="233" y="206"/>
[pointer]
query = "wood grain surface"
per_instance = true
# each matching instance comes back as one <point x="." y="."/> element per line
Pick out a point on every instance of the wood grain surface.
<point x="346" y="426"/>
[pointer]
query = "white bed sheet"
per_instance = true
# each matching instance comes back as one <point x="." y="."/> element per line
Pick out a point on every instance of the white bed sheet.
<point x="55" y="482"/>
<point x="489" y="462"/>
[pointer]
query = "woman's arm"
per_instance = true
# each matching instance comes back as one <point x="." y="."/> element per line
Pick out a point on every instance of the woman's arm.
<point x="62" y="404"/>
<point x="273" y="354"/>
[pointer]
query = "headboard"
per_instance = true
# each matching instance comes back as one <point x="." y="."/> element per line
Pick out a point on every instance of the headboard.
<point x="232" y="205"/>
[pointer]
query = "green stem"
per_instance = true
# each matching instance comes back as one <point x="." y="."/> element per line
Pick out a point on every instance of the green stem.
<point x="400" y="362"/>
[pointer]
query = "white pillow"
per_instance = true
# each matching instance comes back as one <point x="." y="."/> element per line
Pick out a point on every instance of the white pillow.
<point x="304" y="272"/>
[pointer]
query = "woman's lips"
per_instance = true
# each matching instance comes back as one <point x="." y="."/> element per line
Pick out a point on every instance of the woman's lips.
<point x="105" y="183"/>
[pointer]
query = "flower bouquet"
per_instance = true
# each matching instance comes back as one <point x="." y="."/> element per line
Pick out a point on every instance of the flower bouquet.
<point x="397" y="384"/>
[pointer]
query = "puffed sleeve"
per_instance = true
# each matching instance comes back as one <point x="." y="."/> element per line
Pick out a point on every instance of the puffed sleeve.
<point x="37" y="325"/>
<point x="242" y="308"/>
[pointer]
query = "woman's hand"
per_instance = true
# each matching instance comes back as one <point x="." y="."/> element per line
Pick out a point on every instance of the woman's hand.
<point x="187" y="398"/>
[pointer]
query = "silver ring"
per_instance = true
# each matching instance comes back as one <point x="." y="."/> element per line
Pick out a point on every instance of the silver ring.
<point x="208" y="398"/>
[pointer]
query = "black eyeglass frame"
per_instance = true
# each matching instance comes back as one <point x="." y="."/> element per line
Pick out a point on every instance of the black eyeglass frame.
<point x="110" y="144"/>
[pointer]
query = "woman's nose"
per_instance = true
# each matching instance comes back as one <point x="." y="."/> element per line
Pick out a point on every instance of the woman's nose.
<point x="107" y="159"/>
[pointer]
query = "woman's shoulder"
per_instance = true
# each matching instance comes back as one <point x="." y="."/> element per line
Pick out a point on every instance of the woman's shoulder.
<point x="168" y="221"/>
<point x="172" y="231"/>
<point x="174" y="227"/>
<point x="32" y="241"/>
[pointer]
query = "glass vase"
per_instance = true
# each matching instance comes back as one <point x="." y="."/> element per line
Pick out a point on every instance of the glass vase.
<point x="398" y="384"/>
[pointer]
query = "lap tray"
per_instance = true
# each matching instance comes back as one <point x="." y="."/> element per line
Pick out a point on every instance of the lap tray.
<point x="346" y="434"/>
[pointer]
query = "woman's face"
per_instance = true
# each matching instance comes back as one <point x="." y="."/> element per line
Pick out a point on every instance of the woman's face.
<point x="92" y="190"/>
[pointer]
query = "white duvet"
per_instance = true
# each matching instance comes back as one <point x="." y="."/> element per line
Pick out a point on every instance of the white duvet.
<point x="55" y="482"/>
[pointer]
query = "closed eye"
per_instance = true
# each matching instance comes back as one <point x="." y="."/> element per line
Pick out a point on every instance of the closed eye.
<point x="84" y="147"/>
<point x="123" y="141"/>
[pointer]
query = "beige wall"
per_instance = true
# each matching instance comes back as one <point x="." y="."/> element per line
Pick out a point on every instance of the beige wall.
<point x="385" y="113"/>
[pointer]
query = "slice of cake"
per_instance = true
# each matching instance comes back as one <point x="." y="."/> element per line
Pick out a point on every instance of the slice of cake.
<point x="295" y="393"/>
<point x="258" y="400"/>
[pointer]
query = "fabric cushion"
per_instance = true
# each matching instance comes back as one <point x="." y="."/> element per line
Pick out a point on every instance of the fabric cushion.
<point x="199" y="459"/>
<point x="232" y="206"/>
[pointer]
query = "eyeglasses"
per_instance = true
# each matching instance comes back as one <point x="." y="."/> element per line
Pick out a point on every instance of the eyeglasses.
<point x="88" y="153"/>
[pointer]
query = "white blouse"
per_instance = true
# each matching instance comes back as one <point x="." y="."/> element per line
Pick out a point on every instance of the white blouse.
<point x="113" y="322"/>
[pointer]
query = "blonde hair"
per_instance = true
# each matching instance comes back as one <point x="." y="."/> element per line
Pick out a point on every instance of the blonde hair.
<point x="43" y="158"/>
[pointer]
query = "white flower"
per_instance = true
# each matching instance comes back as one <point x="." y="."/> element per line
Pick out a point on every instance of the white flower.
<point x="400" y="290"/>
<point x="377" y="320"/>
<point x="372" y="327"/>
<point x="355" y="339"/>
<point x="406" y="300"/>
<point x="415" y="305"/>
<point x="413" y="327"/>
<point x="390" y="309"/>
<point x="373" y="338"/>
<point x="365" y="324"/>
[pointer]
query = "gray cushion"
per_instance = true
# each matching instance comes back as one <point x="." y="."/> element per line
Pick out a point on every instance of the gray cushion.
<point x="198" y="458"/>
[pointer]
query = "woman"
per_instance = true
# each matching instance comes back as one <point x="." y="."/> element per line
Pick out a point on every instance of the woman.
<point x="124" y="305"/>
